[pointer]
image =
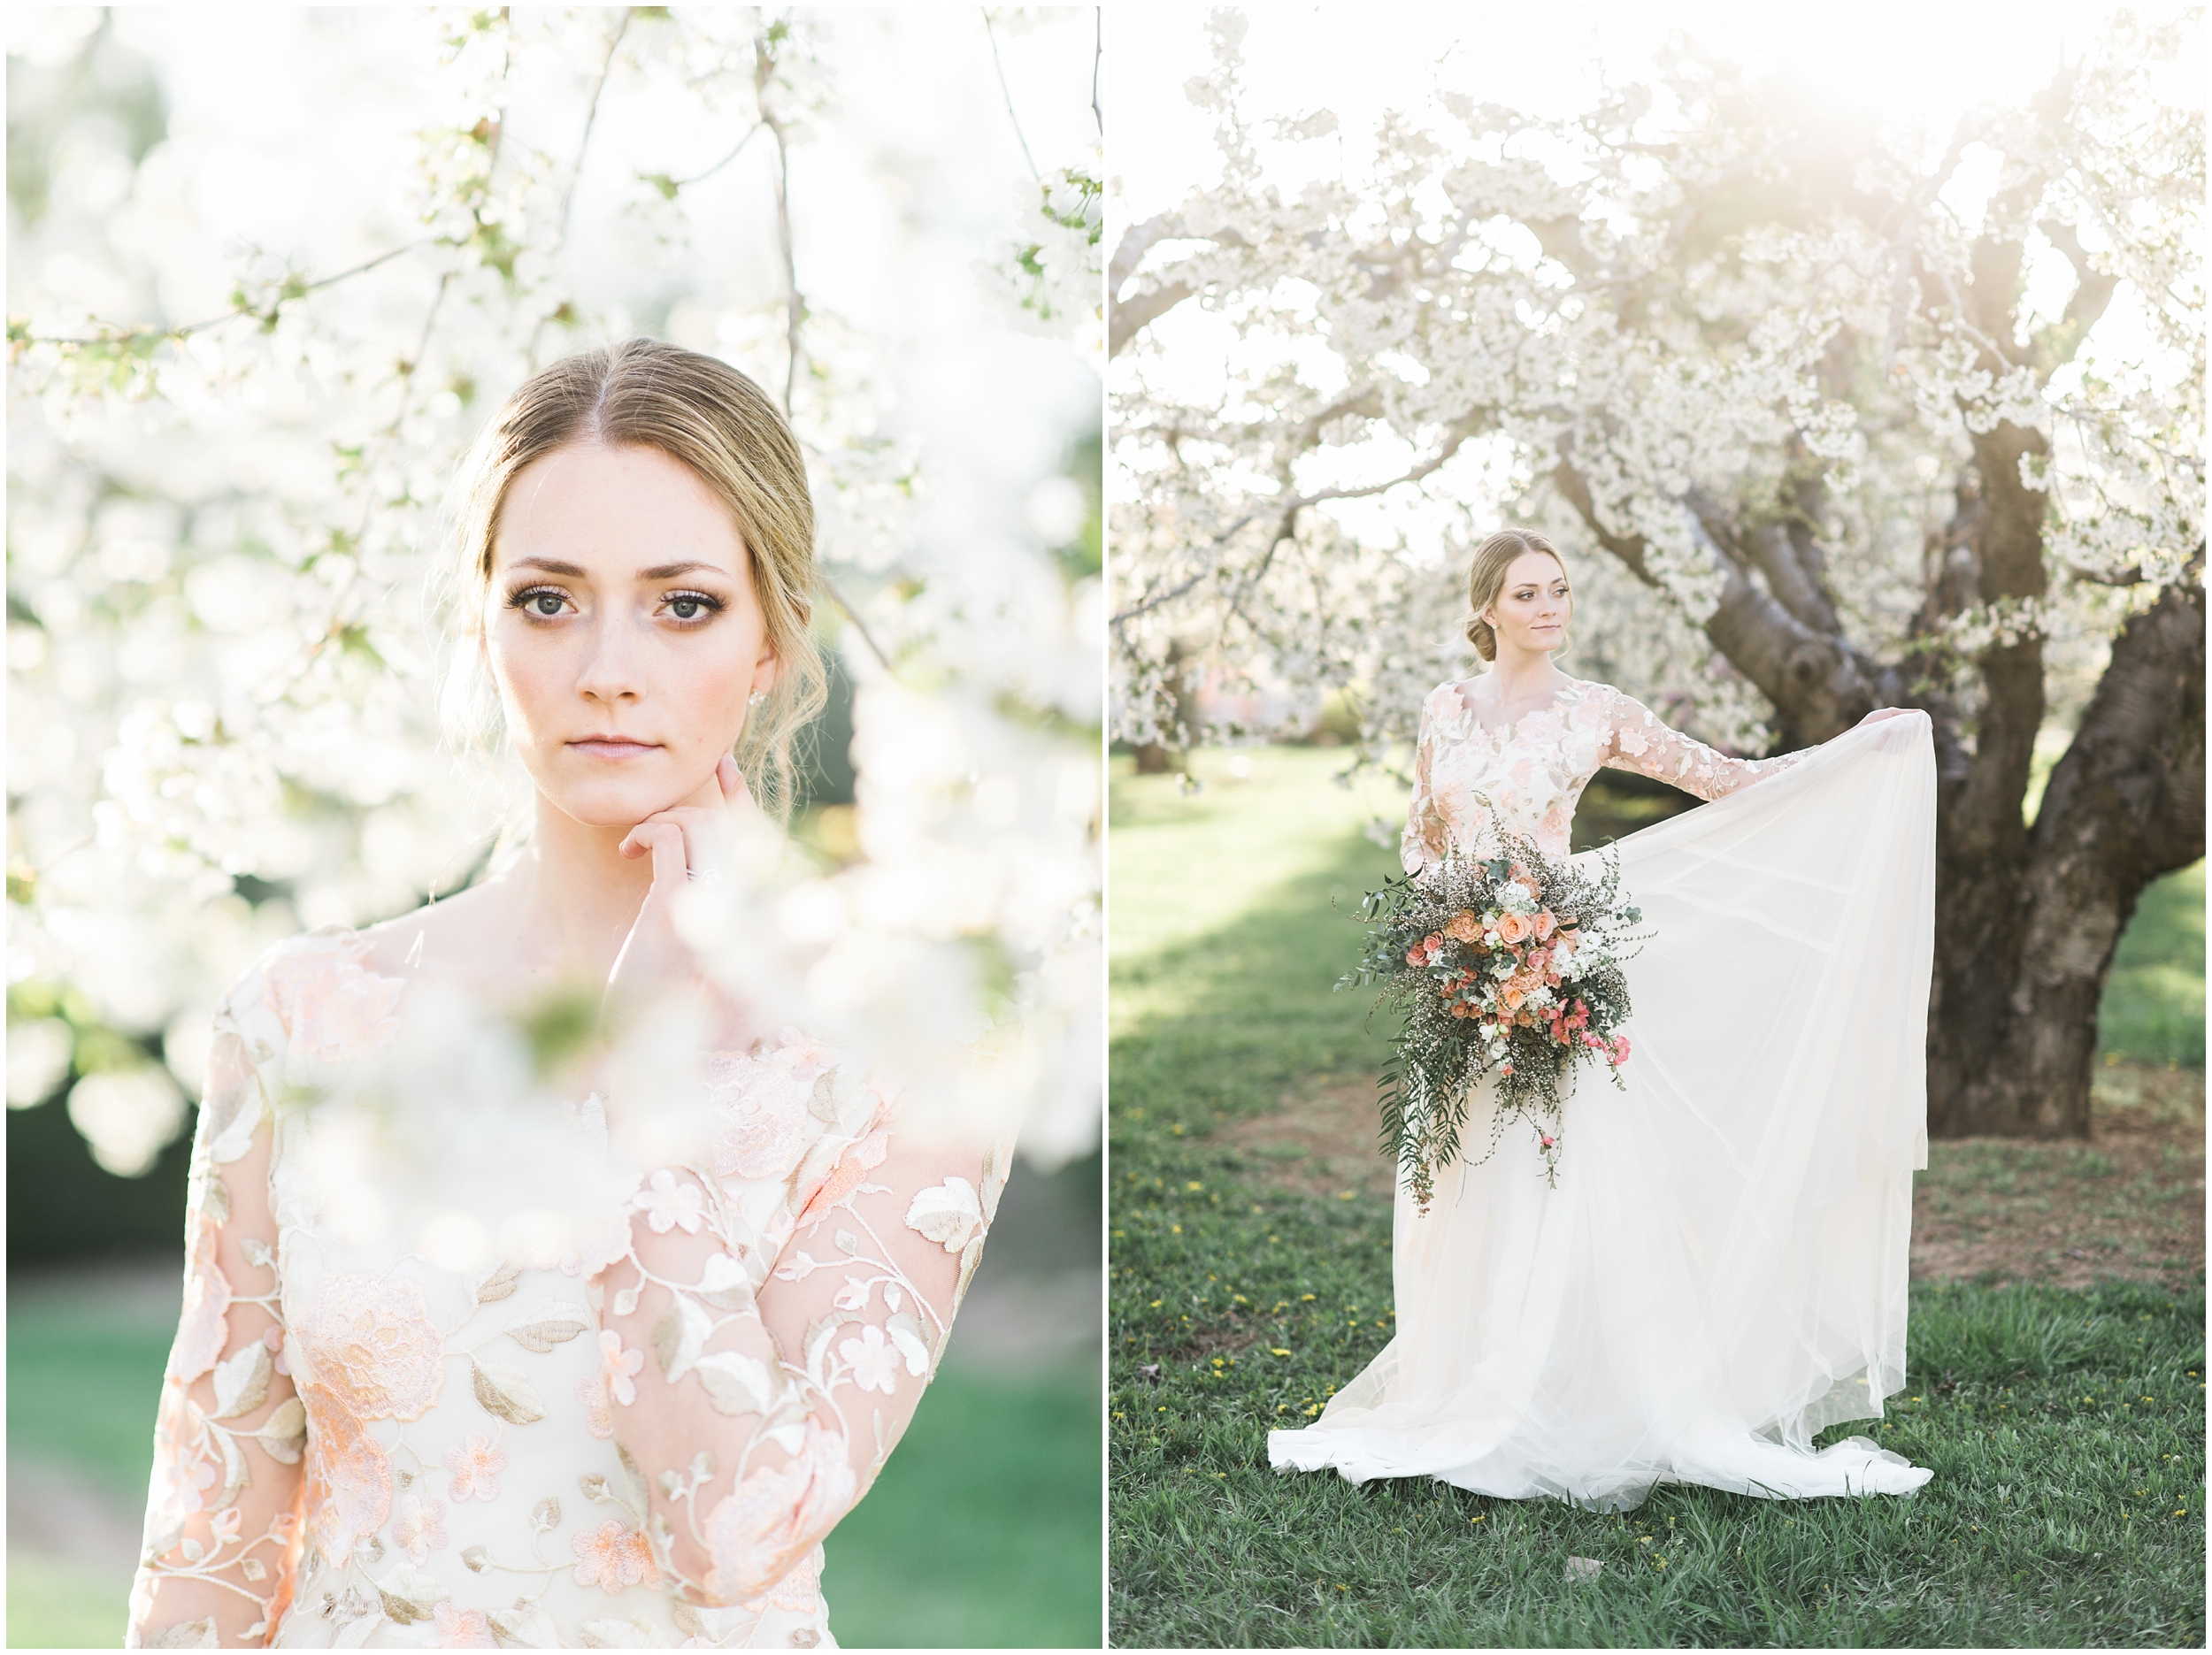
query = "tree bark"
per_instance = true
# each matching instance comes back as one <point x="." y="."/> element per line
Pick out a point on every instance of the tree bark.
<point x="2023" y="943"/>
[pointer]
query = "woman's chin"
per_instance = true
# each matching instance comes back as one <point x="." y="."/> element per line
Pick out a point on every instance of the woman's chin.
<point x="616" y="805"/>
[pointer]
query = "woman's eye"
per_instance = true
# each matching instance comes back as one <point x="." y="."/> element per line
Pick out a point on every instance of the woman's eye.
<point x="548" y="603"/>
<point x="691" y="606"/>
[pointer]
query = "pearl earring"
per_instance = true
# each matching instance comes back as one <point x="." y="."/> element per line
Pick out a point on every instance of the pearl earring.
<point x="756" y="698"/>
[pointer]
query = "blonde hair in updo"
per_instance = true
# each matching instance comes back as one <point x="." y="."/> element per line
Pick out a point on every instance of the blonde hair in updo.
<point x="1485" y="578"/>
<point x="701" y="411"/>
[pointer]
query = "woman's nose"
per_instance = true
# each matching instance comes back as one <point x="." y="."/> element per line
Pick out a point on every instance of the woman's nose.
<point x="612" y="668"/>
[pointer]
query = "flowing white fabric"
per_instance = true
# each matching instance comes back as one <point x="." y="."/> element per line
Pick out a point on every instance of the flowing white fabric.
<point x="1721" y="1272"/>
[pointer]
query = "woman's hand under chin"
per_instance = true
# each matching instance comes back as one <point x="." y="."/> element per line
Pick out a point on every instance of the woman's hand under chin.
<point x="686" y="842"/>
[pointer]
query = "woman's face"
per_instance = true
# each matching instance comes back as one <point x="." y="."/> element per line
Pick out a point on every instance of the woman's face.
<point x="622" y="628"/>
<point x="1533" y="608"/>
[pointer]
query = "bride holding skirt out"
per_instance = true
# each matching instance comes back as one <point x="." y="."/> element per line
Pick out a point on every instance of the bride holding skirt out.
<point x="1721" y="1271"/>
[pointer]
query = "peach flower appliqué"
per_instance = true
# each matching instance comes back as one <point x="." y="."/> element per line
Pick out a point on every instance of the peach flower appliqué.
<point x="758" y="1532"/>
<point x="333" y="1007"/>
<point x="759" y="1114"/>
<point x="420" y="1528"/>
<point x="612" y="1558"/>
<point x="475" y="1467"/>
<point x="349" y="1477"/>
<point x="668" y="1205"/>
<point x="371" y="1340"/>
<point x="598" y="1408"/>
<point x="461" y="1628"/>
<point x="617" y="1366"/>
<point x="874" y="1359"/>
<point x="845" y="1177"/>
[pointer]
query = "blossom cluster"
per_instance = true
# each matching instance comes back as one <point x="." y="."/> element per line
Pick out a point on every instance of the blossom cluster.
<point x="235" y="414"/>
<point x="1600" y="324"/>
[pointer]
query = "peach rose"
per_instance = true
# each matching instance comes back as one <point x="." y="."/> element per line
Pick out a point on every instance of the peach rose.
<point x="1464" y="926"/>
<point x="1546" y="924"/>
<point x="1513" y="927"/>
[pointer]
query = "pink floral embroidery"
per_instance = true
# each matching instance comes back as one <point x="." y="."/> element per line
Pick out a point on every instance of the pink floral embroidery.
<point x="349" y="1477"/>
<point x="273" y="1341"/>
<point x="799" y="1592"/>
<point x="875" y="1360"/>
<point x="420" y="1529"/>
<point x="756" y="1533"/>
<point x="598" y="1408"/>
<point x="331" y="1006"/>
<point x="182" y="1473"/>
<point x="462" y="1629"/>
<point x="205" y="1328"/>
<point x="613" y="1557"/>
<point x="371" y="1340"/>
<point x="759" y="1114"/>
<point x="617" y="1365"/>
<point x="668" y="1205"/>
<point x="475" y="1467"/>
<point x="607" y="1240"/>
<point x="845" y="1177"/>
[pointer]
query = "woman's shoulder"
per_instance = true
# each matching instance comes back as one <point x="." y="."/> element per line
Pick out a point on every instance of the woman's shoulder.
<point x="319" y="993"/>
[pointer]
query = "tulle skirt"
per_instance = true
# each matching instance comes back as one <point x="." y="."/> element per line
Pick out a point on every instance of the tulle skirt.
<point x="1721" y="1272"/>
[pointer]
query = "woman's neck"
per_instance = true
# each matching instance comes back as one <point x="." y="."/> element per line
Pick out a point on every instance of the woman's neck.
<point x="1521" y="675"/>
<point x="576" y="895"/>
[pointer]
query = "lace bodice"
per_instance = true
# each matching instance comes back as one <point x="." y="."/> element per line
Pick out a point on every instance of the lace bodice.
<point x="630" y="1434"/>
<point x="1470" y="781"/>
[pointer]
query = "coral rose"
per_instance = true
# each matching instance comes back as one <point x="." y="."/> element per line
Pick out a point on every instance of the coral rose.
<point x="1464" y="926"/>
<point x="1514" y="928"/>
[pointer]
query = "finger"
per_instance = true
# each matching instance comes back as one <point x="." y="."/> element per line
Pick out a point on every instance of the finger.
<point x="664" y="840"/>
<point x="733" y="784"/>
<point x="703" y="834"/>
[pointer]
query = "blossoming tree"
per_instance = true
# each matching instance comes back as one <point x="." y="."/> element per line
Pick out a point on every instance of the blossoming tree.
<point x="1852" y="423"/>
<point x="227" y="463"/>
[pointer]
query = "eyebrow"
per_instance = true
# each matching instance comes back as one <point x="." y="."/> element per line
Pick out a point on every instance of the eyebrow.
<point x="659" y="572"/>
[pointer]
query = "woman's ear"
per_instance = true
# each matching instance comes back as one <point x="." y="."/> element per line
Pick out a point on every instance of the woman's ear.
<point x="768" y="670"/>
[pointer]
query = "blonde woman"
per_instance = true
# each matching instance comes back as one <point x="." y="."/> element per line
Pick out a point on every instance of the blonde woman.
<point x="1721" y="1270"/>
<point x="639" y="1430"/>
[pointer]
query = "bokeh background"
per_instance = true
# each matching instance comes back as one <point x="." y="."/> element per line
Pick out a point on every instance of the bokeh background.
<point x="268" y="272"/>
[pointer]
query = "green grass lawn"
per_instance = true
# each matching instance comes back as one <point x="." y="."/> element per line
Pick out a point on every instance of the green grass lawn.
<point x="2153" y="1000"/>
<point x="2065" y="1429"/>
<point x="982" y="1531"/>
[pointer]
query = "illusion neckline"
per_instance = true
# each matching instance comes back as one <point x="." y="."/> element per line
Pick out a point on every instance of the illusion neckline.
<point x="1472" y="723"/>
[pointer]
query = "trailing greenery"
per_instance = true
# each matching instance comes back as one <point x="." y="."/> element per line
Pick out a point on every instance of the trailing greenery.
<point x="1513" y="963"/>
<point x="2065" y="1429"/>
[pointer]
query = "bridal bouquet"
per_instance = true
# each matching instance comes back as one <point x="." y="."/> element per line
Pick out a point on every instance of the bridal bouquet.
<point x="1512" y="963"/>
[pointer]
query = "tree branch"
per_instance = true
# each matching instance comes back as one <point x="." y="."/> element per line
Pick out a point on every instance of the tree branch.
<point x="591" y="116"/>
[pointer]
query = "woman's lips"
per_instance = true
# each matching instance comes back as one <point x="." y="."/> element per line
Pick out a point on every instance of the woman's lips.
<point x="614" y="747"/>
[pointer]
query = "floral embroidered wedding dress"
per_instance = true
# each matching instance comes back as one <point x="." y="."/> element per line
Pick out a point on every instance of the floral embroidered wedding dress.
<point x="1721" y="1272"/>
<point x="636" y="1436"/>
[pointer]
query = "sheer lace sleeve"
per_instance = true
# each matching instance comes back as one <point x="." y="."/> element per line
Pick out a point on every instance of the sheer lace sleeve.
<point x="1636" y="740"/>
<point x="1423" y="844"/>
<point x="758" y="1397"/>
<point x="221" y="1517"/>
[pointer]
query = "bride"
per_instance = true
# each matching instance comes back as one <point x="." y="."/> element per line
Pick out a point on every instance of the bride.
<point x="634" y="1427"/>
<point x="1721" y="1272"/>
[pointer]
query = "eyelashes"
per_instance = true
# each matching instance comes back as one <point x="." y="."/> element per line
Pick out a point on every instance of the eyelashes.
<point x="530" y="600"/>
